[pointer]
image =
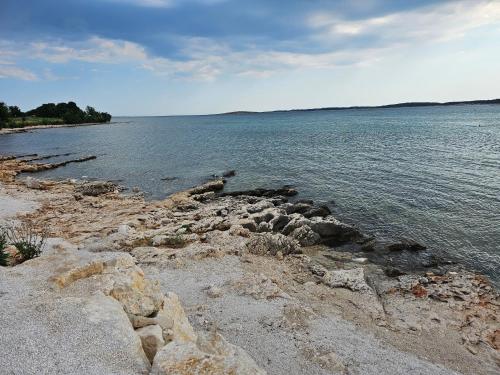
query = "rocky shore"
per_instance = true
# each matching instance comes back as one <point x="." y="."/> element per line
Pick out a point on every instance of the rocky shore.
<point x="30" y="128"/>
<point x="209" y="282"/>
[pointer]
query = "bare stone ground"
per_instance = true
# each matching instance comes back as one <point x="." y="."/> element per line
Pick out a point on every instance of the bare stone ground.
<point x="285" y="316"/>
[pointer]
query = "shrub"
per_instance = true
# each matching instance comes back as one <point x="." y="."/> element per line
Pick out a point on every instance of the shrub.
<point x="27" y="240"/>
<point x="3" y="243"/>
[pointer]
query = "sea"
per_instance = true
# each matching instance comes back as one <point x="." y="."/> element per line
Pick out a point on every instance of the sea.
<point x="431" y="174"/>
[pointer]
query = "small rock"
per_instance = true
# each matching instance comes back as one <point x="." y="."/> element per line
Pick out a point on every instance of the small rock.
<point x="214" y="291"/>
<point x="332" y="362"/>
<point x="393" y="272"/>
<point x="32" y="183"/>
<point x="351" y="279"/>
<point x="151" y="339"/>
<point x="263" y="227"/>
<point x="124" y="229"/>
<point x="248" y="224"/>
<point x="360" y="260"/>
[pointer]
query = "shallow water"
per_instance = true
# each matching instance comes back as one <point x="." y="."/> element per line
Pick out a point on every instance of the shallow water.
<point x="431" y="174"/>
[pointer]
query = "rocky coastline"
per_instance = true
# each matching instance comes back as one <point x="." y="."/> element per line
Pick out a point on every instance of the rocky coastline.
<point x="215" y="282"/>
<point x="30" y="128"/>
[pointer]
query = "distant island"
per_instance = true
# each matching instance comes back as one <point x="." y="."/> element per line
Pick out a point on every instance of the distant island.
<point x="397" y="105"/>
<point x="50" y="114"/>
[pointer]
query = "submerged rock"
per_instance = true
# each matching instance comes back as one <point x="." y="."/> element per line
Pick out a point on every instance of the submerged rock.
<point x="405" y="244"/>
<point x="230" y="173"/>
<point x="286" y="191"/>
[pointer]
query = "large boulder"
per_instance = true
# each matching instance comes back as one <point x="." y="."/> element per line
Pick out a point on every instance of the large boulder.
<point x="333" y="230"/>
<point x="80" y="332"/>
<point x="268" y="243"/>
<point x="211" y="354"/>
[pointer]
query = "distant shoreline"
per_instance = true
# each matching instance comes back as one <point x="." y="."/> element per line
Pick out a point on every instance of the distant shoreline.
<point x="397" y="105"/>
<point x="27" y="129"/>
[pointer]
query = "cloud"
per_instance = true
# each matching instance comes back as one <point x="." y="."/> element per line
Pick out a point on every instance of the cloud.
<point x="166" y="3"/>
<point x="325" y="45"/>
<point x="441" y="22"/>
<point x="93" y="50"/>
<point x="10" y="70"/>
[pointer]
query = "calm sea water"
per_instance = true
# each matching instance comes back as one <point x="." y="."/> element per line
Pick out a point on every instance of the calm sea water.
<point x="431" y="174"/>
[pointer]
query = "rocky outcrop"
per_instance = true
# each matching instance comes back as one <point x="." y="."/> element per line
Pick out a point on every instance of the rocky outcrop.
<point x="96" y="188"/>
<point x="106" y="298"/>
<point x="271" y="244"/>
<point x="306" y="236"/>
<point x="210" y="354"/>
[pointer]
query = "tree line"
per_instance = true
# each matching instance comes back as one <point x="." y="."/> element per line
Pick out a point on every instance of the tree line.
<point x="64" y="113"/>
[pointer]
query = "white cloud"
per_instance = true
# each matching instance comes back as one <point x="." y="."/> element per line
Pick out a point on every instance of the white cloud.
<point x="166" y="3"/>
<point x="94" y="50"/>
<point x="206" y="59"/>
<point x="10" y="70"/>
<point x="433" y="23"/>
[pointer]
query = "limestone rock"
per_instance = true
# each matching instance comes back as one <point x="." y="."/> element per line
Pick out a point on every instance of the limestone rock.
<point x="353" y="279"/>
<point x="248" y="224"/>
<point x="279" y="222"/>
<point x="296" y="222"/>
<point x="211" y="186"/>
<point x="172" y="317"/>
<point x="214" y="291"/>
<point x="320" y="211"/>
<point x="259" y="287"/>
<point x="332" y="229"/>
<point x="331" y="362"/>
<point x="211" y="354"/>
<point x="137" y="295"/>
<point x="96" y="188"/>
<point x="264" y="227"/>
<point x="33" y="183"/>
<point x="306" y="236"/>
<point x="152" y="340"/>
<point x="259" y="207"/>
<point x="267" y="243"/>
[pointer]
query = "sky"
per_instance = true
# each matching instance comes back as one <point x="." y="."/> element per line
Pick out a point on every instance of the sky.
<point x="167" y="57"/>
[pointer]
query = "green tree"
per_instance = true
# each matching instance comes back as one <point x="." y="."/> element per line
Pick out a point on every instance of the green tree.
<point x="15" y="111"/>
<point x="4" y="114"/>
